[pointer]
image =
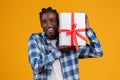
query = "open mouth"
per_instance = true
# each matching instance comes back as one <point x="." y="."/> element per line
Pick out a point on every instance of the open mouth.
<point x="50" y="30"/>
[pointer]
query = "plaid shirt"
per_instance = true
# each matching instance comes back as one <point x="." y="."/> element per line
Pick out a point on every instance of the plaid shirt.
<point x="42" y="56"/>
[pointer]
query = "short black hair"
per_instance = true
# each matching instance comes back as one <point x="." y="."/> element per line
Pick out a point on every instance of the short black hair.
<point x="49" y="9"/>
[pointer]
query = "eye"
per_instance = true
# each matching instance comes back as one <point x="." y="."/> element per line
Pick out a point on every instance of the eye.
<point x="43" y="21"/>
<point x="53" y="20"/>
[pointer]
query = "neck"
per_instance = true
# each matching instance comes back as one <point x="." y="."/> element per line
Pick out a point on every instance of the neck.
<point x="53" y="37"/>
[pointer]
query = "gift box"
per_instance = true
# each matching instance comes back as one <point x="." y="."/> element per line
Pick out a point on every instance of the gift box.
<point x="72" y="29"/>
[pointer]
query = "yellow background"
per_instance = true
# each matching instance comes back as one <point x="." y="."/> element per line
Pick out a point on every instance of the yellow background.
<point x="19" y="18"/>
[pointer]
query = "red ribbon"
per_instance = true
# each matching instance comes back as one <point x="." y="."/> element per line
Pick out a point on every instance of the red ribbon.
<point x="73" y="32"/>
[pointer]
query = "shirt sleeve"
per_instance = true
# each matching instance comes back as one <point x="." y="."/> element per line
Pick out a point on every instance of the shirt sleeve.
<point x="94" y="49"/>
<point x="37" y="59"/>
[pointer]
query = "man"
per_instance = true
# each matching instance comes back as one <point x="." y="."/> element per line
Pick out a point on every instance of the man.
<point x="48" y="60"/>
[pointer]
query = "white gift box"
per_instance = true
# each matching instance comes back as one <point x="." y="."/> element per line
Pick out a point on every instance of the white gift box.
<point x="66" y="22"/>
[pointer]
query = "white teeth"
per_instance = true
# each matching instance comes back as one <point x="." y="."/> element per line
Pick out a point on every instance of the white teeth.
<point x="50" y="29"/>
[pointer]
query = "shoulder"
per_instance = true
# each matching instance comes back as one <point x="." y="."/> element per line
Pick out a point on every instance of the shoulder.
<point x="35" y="35"/>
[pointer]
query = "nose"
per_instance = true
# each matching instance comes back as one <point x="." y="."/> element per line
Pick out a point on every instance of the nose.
<point x="49" y="24"/>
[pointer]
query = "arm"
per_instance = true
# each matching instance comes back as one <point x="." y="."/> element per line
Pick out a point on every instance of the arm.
<point x="38" y="60"/>
<point x="92" y="50"/>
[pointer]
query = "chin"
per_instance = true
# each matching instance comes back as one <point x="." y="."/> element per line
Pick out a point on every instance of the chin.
<point x="52" y="36"/>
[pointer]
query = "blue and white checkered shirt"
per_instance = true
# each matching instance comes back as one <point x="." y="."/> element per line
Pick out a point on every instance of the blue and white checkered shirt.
<point x="42" y="56"/>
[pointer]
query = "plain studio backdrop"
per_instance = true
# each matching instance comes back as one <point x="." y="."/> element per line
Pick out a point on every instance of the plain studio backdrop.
<point x="19" y="18"/>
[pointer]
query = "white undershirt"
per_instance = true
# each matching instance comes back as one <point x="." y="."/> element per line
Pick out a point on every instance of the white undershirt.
<point x="56" y="68"/>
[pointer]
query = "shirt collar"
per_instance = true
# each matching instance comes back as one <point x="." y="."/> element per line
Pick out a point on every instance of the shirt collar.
<point x="46" y="38"/>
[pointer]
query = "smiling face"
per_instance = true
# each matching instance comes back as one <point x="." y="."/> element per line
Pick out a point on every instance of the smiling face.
<point x="49" y="23"/>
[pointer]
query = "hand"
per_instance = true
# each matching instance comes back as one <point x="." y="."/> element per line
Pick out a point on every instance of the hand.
<point x="66" y="48"/>
<point x="87" y="22"/>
